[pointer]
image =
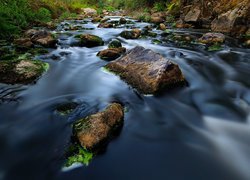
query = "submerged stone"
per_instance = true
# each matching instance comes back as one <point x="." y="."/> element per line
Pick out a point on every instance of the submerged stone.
<point x="21" y="71"/>
<point x="96" y="129"/>
<point x="147" y="71"/>
<point x="66" y="108"/>
<point x="115" y="44"/>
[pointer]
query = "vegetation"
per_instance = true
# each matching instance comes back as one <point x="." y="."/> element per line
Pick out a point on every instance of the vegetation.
<point x="77" y="154"/>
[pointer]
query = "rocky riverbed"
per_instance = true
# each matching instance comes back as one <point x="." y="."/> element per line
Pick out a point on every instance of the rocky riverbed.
<point x="127" y="98"/>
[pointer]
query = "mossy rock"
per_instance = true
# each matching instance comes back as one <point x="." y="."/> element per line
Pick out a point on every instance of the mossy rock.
<point x="21" y="71"/>
<point x="111" y="53"/>
<point x="115" y="44"/>
<point x="133" y="34"/>
<point x="89" y="40"/>
<point x="66" y="108"/>
<point x="95" y="130"/>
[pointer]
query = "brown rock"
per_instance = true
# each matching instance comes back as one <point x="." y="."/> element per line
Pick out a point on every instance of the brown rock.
<point x="111" y="53"/>
<point x="233" y="21"/>
<point x="47" y="41"/>
<point x="106" y="25"/>
<point x="193" y="15"/>
<point x="133" y="34"/>
<point x="212" y="38"/>
<point x="21" y="72"/>
<point x="94" y="130"/>
<point x="162" y="27"/>
<point x="147" y="71"/>
<point x="41" y="37"/>
<point x="23" y="43"/>
<point x="89" y="40"/>
<point x="157" y="19"/>
<point x="89" y="11"/>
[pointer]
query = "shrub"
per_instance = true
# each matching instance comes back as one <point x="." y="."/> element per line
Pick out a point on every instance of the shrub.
<point x="43" y="14"/>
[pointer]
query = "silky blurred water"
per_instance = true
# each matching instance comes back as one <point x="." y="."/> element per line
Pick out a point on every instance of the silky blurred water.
<point x="200" y="131"/>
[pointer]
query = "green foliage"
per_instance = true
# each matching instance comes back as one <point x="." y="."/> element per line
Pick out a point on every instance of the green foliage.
<point x="43" y="15"/>
<point x="159" y="6"/>
<point x="66" y="15"/>
<point x="78" y="155"/>
<point x="215" y="47"/>
<point x="144" y="17"/>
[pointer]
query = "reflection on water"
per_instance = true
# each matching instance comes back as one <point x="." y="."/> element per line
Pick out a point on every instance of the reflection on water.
<point x="196" y="132"/>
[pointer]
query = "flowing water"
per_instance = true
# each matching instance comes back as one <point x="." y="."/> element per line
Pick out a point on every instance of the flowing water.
<point x="200" y="131"/>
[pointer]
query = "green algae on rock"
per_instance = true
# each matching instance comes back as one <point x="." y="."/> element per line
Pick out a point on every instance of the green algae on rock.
<point x="21" y="71"/>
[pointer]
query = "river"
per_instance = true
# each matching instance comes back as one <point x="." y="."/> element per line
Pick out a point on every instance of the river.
<point x="200" y="131"/>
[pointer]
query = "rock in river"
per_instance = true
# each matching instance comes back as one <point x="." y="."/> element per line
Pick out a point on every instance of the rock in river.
<point x="41" y="37"/>
<point x="147" y="71"/>
<point x="89" y="40"/>
<point x="133" y="34"/>
<point x="21" y="72"/>
<point x="212" y="38"/>
<point x="111" y="53"/>
<point x="95" y="129"/>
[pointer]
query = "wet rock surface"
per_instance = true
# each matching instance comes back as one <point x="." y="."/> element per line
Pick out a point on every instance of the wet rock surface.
<point x="94" y="130"/>
<point x="111" y="53"/>
<point x="41" y="37"/>
<point x="146" y="70"/>
<point x="212" y="38"/>
<point x="21" y="72"/>
<point x="89" y="40"/>
<point x="133" y="34"/>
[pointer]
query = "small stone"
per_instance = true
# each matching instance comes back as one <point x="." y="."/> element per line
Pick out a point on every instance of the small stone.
<point x="162" y="27"/>
<point x="122" y="20"/>
<point x="111" y="53"/>
<point x="115" y="44"/>
<point x="133" y="34"/>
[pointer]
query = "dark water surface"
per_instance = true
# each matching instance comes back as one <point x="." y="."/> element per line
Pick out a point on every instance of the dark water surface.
<point x="201" y="131"/>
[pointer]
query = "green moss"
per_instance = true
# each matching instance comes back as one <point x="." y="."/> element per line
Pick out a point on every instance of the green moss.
<point x="156" y="41"/>
<point x="215" y="47"/>
<point x="78" y="155"/>
<point x="67" y="108"/>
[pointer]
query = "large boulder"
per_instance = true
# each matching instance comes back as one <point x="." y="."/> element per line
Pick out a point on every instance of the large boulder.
<point x="147" y="71"/>
<point x="89" y="40"/>
<point x="133" y="34"/>
<point x="233" y="21"/>
<point x="111" y="53"/>
<point x="95" y="129"/>
<point x="21" y="72"/>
